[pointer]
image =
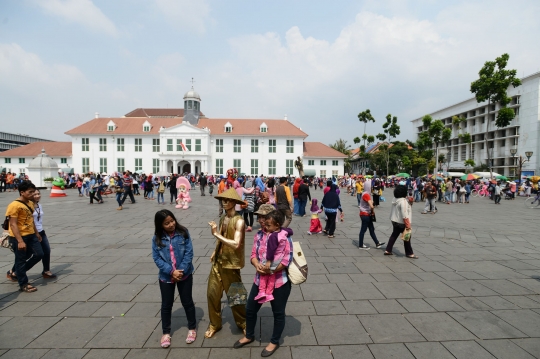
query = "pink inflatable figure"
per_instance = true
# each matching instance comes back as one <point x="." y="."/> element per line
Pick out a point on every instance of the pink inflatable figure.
<point x="183" y="186"/>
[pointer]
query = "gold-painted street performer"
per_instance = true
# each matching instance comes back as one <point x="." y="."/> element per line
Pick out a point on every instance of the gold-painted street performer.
<point x="227" y="260"/>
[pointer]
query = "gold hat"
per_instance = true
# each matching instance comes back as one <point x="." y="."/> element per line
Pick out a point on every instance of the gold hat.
<point x="230" y="195"/>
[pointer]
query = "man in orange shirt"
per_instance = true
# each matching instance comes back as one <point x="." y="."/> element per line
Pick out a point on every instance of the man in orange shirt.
<point x="221" y="189"/>
<point x="9" y="181"/>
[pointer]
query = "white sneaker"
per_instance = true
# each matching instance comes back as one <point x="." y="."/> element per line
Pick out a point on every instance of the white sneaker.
<point x="364" y="247"/>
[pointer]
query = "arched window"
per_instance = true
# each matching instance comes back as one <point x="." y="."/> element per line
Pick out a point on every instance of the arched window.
<point x="190" y="105"/>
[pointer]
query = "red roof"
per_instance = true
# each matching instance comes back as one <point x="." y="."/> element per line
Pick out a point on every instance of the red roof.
<point x="158" y="112"/>
<point x="318" y="149"/>
<point x="53" y="149"/>
<point x="240" y="127"/>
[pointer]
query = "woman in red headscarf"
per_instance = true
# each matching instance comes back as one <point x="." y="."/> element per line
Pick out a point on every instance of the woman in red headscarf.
<point x="296" y="187"/>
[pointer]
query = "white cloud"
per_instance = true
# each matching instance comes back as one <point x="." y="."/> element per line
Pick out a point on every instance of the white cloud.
<point x="188" y="15"/>
<point x="83" y="12"/>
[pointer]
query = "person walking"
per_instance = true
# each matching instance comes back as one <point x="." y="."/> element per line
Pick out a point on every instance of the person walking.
<point x="331" y="204"/>
<point x="128" y="187"/>
<point x="367" y="209"/>
<point x="24" y="236"/>
<point x="202" y="183"/>
<point x="401" y="216"/>
<point x="284" y="201"/>
<point x="249" y="198"/>
<point x="497" y="192"/>
<point x="303" y="195"/>
<point x="431" y="194"/>
<point x="282" y="286"/>
<point x="359" y="189"/>
<point x="172" y="251"/>
<point x="295" y="189"/>
<point x="172" y="188"/>
<point x="448" y="191"/>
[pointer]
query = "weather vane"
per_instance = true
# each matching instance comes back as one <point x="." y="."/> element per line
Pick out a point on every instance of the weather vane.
<point x="192" y="82"/>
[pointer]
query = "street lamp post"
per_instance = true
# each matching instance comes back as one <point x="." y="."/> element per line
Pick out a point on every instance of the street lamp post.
<point x="521" y="160"/>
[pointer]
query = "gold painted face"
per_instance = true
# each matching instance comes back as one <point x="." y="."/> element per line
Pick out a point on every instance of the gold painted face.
<point x="227" y="204"/>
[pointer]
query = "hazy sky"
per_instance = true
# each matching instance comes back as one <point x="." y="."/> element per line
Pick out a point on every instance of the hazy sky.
<point x="319" y="62"/>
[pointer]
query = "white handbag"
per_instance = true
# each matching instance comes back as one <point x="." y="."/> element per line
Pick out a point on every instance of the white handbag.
<point x="298" y="268"/>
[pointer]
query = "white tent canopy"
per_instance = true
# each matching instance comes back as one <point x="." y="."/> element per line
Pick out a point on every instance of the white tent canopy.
<point x="453" y="174"/>
<point x="486" y="174"/>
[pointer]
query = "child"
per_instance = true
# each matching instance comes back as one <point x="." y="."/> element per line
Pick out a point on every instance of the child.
<point x="172" y="252"/>
<point x="277" y="242"/>
<point x="315" y="226"/>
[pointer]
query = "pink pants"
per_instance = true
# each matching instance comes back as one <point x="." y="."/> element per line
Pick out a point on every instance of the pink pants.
<point x="266" y="288"/>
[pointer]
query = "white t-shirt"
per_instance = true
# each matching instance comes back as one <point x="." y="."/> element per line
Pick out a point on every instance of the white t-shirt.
<point x="38" y="217"/>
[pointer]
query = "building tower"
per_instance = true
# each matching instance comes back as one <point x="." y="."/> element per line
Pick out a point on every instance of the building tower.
<point x="192" y="107"/>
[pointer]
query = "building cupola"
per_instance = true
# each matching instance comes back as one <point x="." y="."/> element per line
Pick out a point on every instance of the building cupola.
<point x="192" y="106"/>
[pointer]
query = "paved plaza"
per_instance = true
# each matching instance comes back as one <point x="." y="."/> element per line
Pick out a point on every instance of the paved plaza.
<point x="473" y="293"/>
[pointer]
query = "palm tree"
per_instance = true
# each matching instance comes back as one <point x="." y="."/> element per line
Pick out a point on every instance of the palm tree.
<point x="341" y="146"/>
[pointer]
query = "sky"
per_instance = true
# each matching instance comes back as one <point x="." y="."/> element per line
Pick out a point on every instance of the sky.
<point x="320" y="63"/>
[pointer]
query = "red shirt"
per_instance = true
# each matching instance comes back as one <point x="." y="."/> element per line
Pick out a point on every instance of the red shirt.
<point x="365" y="197"/>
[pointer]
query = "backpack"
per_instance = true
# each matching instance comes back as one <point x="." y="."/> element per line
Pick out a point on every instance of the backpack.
<point x="298" y="268"/>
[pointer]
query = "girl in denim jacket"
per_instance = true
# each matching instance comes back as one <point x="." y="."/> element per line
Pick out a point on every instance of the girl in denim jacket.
<point x="172" y="251"/>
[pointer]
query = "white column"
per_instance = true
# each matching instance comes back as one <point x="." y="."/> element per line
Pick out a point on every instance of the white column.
<point x="192" y="164"/>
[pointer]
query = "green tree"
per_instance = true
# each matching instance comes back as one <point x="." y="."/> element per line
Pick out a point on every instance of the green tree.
<point x="469" y="163"/>
<point x="356" y="140"/>
<point x="436" y="134"/>
<point x="491" y="87"/>
<point x="365" y="117"/>
<point x="341" y="146"/>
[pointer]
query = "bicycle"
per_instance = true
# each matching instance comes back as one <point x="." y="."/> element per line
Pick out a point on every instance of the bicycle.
<point x="531" y="202"/>
<point x="480" y="192"/>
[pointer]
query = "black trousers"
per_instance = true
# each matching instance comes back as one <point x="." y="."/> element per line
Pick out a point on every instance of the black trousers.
<point x="185" y="289"/>
<point x="330" y="223"/>
<point x="397" y="230"/>
<point x="248" y="218"/>
<point x="174" y="194"/>
<point x="128" y="192"/>
<point x="281" y="296"/>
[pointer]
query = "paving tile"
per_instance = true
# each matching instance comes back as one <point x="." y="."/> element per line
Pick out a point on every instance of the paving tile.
<point x="19" y="309"/>
<point x="298" y="331"/>
<point x="526" y="321"/>
<point x="195" y="353"/>
<point x="486" y="325"/>
<point x="339" y="278"/>
<point x="531" y="284"/>
<point x="397" y="290"/>
<point x="531" y="346"/>
<point x="147" y="353"/>
<point x="230" y="353"/>
<point x="351" y="351"/>
<point x="498" y="303"/>
<point x="357" y="291"/>
<point x="346" y="329"/>
<point x="390" y="351"/>
<point x="329" y="307"/>
<point x="505" y="349"/>
<point x="26" y="330"/>
<point x="467" y="350"/>
<point x="471" y="303"/>
<point x="416" y="305"/>
<point x="179" y="330"/>
<point x="321" y="292"/>
<point x="470" y="288"/>
<point x="50" y="309"/>
<point x="70" y="333"/>
<point x="429" y="350"/>
<point x="106" y="354"/>
<point x="112" y="336"/>
<point x="65" y="354"/>
<point x="505" y="287"/>
<point x="25" y="354"/>
<point x="438" y="327"/>
<point x="113" y="309"/>
<point x="143" y="310"/>
<point x="390" y="328"/>
<point x="521" y="301"/>
<point x="118" y="293"/>
<point x="77" y="293"/>
<point x="386" y="306"/>
<point x="310" y="352"/>
<point x="359" y="307"/>
<point x="82" y="309"/>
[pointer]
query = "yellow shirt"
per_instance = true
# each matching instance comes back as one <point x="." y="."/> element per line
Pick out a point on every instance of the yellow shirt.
<point x="359" y="187"/>
<point x="25" y="217"/>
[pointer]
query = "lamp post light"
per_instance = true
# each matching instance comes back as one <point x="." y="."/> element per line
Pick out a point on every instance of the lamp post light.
<point x="521" y="160"/>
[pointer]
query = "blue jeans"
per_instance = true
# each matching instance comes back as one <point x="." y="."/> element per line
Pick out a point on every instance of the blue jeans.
<point x="448" y="196"/>
<point x="281" y="295"/>
<point x="367" y="223"/>
<point x="358" y="198"/>
<point x="160" y="195"/>
<point x="416" y="195"/>
<point x="119" y="198"/>
<point x="25" y="260"/>
<point x="295" y="208"/>
<point x="302" y="207"/>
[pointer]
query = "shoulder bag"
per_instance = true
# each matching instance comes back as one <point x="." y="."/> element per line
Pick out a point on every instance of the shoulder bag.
<point x="298" y="268"/>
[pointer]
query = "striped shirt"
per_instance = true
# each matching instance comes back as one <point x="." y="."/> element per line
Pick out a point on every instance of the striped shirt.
<point x="258" y="251"/>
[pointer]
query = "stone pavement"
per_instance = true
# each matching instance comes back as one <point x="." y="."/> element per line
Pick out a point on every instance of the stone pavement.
<point x="473" y="293"/>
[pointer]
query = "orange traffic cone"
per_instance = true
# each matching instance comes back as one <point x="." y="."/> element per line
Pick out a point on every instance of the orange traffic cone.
<point x="57" y="192"/>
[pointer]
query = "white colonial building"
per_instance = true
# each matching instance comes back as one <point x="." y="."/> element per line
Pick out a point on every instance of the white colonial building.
<point x="520" y="138"/>
<point x="184" y="140"/>
<point x="18" y="159"/>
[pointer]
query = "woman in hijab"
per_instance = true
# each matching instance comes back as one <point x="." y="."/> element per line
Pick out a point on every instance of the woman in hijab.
<point x="331" y="205"/>
<point x="250" y="199"/>
<point x="295" y="189"/>
<point x="366" y="211"/>
<point x="376" y="189"/>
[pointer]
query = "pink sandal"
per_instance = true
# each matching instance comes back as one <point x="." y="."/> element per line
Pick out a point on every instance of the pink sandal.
<point x="191" y="336"/>
<point x="165" y="341"/>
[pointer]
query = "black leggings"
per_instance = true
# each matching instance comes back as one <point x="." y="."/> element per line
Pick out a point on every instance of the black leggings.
<point x="173" y="196"/>
<point x="249" y="222"/>
<point x="330" y="223"/>
<point x="185" y="289"/>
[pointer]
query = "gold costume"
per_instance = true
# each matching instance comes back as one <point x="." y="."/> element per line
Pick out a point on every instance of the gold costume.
<point x="225" y="270"/>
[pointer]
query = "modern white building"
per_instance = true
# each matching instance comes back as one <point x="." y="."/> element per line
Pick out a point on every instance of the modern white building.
<point x="184" y="140"/>
<point x="507" y="144"/>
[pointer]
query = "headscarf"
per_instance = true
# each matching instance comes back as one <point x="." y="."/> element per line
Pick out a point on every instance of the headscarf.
<point x="331" y="198"/>
<point x="367" y="186"/>
<point x="259" y="183"/>
<point x="249" y="183"/>
<point x="296" y="185"/>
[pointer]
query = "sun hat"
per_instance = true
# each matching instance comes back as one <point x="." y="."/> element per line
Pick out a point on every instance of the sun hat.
<point x="265" y="209"/>
<point x="230" y="195"/>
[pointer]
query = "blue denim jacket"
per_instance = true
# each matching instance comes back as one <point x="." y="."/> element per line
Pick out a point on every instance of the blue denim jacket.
<point x="183" y="253"/>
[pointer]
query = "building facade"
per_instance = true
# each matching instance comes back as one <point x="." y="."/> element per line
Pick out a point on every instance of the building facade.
<point x="186" y="141"/>
<point x="9" y="141"/>
<point x="506" y="144"/>
<point x="18" y="159"/>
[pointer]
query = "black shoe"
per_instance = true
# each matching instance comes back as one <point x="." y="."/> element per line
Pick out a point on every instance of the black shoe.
<point x="381" y="244"/>
<point x="265" y="353"/>
<point x="239" y="344"/>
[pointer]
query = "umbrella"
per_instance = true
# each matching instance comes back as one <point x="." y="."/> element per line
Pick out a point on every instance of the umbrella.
<point x="502" y="178"/>
<point x="369" y="176"/>
<point x="440" y="178"/>
<point x="139" y="172"/>
<point x="403" y="174"/>
<point x="162" y="174"/>
<point x="534" y="179"/>
<point x="469" y="177"/>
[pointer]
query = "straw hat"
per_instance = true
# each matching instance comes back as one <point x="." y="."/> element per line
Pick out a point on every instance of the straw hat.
<point x="230" y="195"/>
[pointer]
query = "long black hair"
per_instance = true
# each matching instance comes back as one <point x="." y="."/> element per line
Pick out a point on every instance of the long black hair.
<point x="159" y="218"/>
